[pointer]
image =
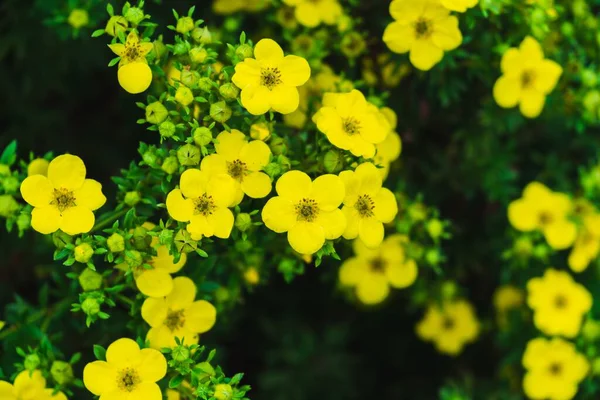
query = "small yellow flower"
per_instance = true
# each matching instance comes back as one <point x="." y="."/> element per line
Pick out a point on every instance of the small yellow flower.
<point x="506" y="298"/>
<point x="373" y="271"/>
<point x="545" y="210"/>
<point x="243" y="162"/>
<point x="312" y="13"/>
<point x="554" y="369"/>
<point x="459" y="5"/>
<point x="307" y="210"/>
<point x="173" y="395"/>
<point x="559" y="303"/>
<point x="351" y="123"/>
<point x="39" y="166"/>
<point x="527" y="78"/>
<point x="128" y="372"/>
<point x="202" y="200"/>
<point x="64" y="200"/>
<point x="587" y="244"/>
<point x="133" y="50"/>
<point x="269" y="81"/>
<point x="450" y="327"/>
<point x="424" y="28"/>
<point x="78" y="18"/>
<point x="29" y="386"/>
<point x="367" y="205"/>
<point x="252" y="276"/>
<point x="177" y="315"/>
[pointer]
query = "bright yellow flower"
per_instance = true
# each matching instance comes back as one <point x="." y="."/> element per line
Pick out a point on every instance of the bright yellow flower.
<point x="527" y="78"/>
<point x="554" y="369"/>
<point x="28" y="386"/>
<point x="64" y="200"/>
<point x="587" y="244"/>
<point x="202" y="200"/>
<point x="367" y="205"/>
<point x="312" y="13"/>
<point x="173" y="395"/>
<point x="78" y="18"/>
<point x="242" y="161"/>
<point x="559" y="303"/>
<point x="269" y="81"/>
<point x="351" y="123"/>
<point x="177" y="315"/>
<point x="459" y="5"/>
<point x="39" y="166"/>
<point x="424" y="28"/>
<point x="133" y="50"/>
<point x="545" y="210"/>
<point x="128" y="372"/>
<point x="450" y="327"/>
<point x="373" y="271"/>
<point x="308" y="211"/>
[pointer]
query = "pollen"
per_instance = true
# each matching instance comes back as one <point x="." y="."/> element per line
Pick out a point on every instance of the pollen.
<point x="270" y="77"/>
<point x="128" y="379"/>
<point x="422" y="28"/>
<point x="63" y="199"/>
<point x="365" y="206"/>
<point x="204" y="205"/>
<point x="307" y="210"/>
<point x="175" y="320"/>
<point x="237" y="169"/>
<point x="351" y="126"/>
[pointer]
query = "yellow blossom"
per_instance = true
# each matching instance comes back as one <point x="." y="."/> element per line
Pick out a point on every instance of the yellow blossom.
<point x="202" y="200"/>
<point x="78" y="18"/>
<point x="64" y="200"/>
<point x="554" y="369"/>
<point x="298" y="118"/>
<point x="177" y="315"/>
<point x="312" y="13"/>
<point x="373" y="271"/>
<point x="527" y="78"/>
<point x="133" y="50"/>
<point x="559" y="303"/>
<point x="173" y="395"/>
<point x="506" y="298"/>
<point x="29" y="386"/>
<point x="135" y="77"/>
<point x="39" y="166"/>
<point x="269" y="81"/>
<point x="587" y="244"/>
<point x="243" y="162"/>
<point x="450" y="327"/>
<point x="459" y="5"/>
<point x="128" y="372"/>
<point x="307" y="210"/>
<point x="424" y="28"/>
<point x="389" y="150"/>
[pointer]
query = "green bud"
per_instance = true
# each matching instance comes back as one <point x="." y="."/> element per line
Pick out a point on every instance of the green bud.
<point x="567" y="29"/>
<point x="4" y="170"/>
<point x="243" y="221"/>
<point x="115" y="25"/>
<point x="115" y="243"/>
<point x="10" y="184"/>
<point x="596" y="366"/>
<point x="220" y="111"/>
<point x="150" y="158"/>
<point x="31" y="362"/>
<point x="198" y="55"/>
<point x="132" y="198"/>
<point x="167" y="128"/>
<point x="184" y="25"/>
<point x="284" y="163"/>
<point x="449" y="290"/>
<point x="222" y="294"/>
<point x="243" y="246"/>
<point x="232" y="24"/>
<point x="179" y="49"/>
<point x="278" y="145"/>
<point x="589" y="78"/>
<point x="170" y="165"/>
<point x="180" y="353"/>
<point x="205" y="84"/>
<point x="190" y="79"/>
<point x="591" y="330"/>
<point x="141" y="239"/>
<point x="133" y="258"/>
<point x="8" y="205"/>
<point x="433" y="256"/>
<point x="333" y="161"/>
<point x="90" y="306"/>
<point x="23" y="222"/>
<point x="538" y="16"/>
<point x="204" y="371"/>
<point x="540" y="251"/>
<point x="591" y="102"/>
<point x="229" y="91"/>
<point x="223" y="392"/>
<point x="580" y="8"/>
<point x="417" y="212"/>
<point x="83" y="252"/>
<point x="61" y="372"/>
<point x="184" y="242"/>
<point x="202" y="35"/>
<point x="523" y="246"/>
<point x="435" y="228"/>
<point x="90" y="280"/>
<point x="273" y="169"/>
<point x="159" y="49"/>
<point x="134" y="15"/>
<point x="244" y="51"/>
<point x="188" y="155"/>
<point x="156" y="113"/>
<point x="165" y="237"/>
<point x="202" y="136"/>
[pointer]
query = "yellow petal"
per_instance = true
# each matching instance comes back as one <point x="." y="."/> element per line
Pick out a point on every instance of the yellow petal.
<point x="200" y="317"/>
<point x="295" y="71"/>
<point x="267" y="50"/>
<point x="424" y="54"/>
<point x="402" y="275"/>
<point x="407" y="11"/>
<point x="369" y="179"/>
<point x="100" y="377"/>
<point x="399" y="37"/>
<point x="194" y="183"/>
<point x="221" y="221"/>
<point x="531" y="50"/>
<point x="199" y="227"/>
<point x="230" y="144"/>
<point x="532" y="103"/>
<point x="37" y="190"/>
<point x="306" y="238"/>
<point x="284" y="99"/>
<point x="46" y="220"/>
<point x="152" y="365"/>
<point x="179" y="209"/>
<point x="145" y="391"/>
<point x="507" y="91"/>
<point x="257" y="185"/>
<point x="135" y="77"/>
<point x="279" y="214"/>
<point x="145" y="48"/>
<point x="154" y="282"/>
<point x="352" y="222"/>
<point x="117" y="48"/>
<point x="29" y="385"/>
<point x="352" y="271"/>
<point x="386" y="206"/>
<point x="164" y="260"/>
<point x="256" y="99"/>
<point x="446" y="34"/>
<point x="39" y="166"/>
<point x="372" y="289"/>
<point x="370" y="232"/>
<point x="308" y="14"/>
<point x="561" y="234"/>
<point x="161" y="336"/>
<point x="546" y="76"/>
<point x="214" y="164"/>
<point x="329" y="191"/>
<point x="90" y="195"/>
<point x="154" y="311"/>
<point x="183" y="294"/>
<point x="247" y="73"/>
<point x="255" y="154"/>
<point x="222" y="188"/>
<point x="294" y="185"/>
<point x="7" y="391"/>
<point x="511" y="61"/>
<point x="67" y="171"/>
<point x="522" y="215"/>
<point x="123" y="352"/>
<point x="76" y="220"/>
<point x="333" y="223"/>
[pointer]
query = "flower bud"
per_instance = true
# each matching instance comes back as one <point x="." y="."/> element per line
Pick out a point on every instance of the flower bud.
<point x="167" y="128"/>
<point x="39" y="166"/>
<point x="220" y="111"/>
<point x="591" y="330"/>
<point x="156" y="113"/>
<point x="222" y="294"/>
<point x="90" y="306"/>
<point x="278" y="146"/>
<point x="61" y="372"/>
<point x="132" y="198"/>
<point x="589" y="78"/>
<point x="4" y="170"/>
<point x="115" y="243"/>
<point x="83" y="252"/>
<point x="150" y="158"/>
<point x="179" y="49"/>
<point x="202" y="35"/>
<point x="134" y="15"/>
<point x="10" y="184"/>
<point x="198" y="55"/>
<point x="229" y="91"/>
<point x="90" y="280"/>
<point x="596" y="366"/>
<point x="417" y="212"/>
<point x="184" y="25"/>
<point x="133" y="258"/>
<point x="333" y="161"/>
<point x="78" y="18"/>
<point x="204" y="371"/>
<point x="567" y="29"/>
<point x="449" y="290"/>
<point x="205" y="84"/>
<point x="8" y="205"/>
<point x="243" y="221"/>
<point x="223" y="392"/>
<point x="115" y="25"/>
<point x="180" y="353"/>
<point x="141" y="239"/>
<point x="184" y="242"/>
<point x="433" y="256"/>
<point x="273" y="169"/>
<point x="251" y="276"/>
<point x="344" y="23"/>
<point x="184" y="95"/>
<point x="31" y="362"/>
<point x="202" y="136"/>
<point x="523" y="246"/>
<point x="188" y="155"/>
<point x="23" y="222"/>
<point x="435" y="228"/>
<point x="190" y="78"/>
<point x="244" y="51"/>
<point x="165" y="237"/>
<point x="260" y="131"/>
<point x="170" y="165"/>
<point x="159" y="49"/>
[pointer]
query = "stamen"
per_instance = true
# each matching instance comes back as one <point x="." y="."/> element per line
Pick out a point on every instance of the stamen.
<point x="377" y="265"/>
<point x="307" y="210"/>
<point x="270" y="77"/>
<point x="204" y="205"/>
<point x="365" y="206"/>
<point x="237" y="169"/>
<point x="128" y="379"/>
<point x="175" y="320"/>
<point x="351" y="126"/>
<point x="422" y="28"/>
<point x="63" y="199"/>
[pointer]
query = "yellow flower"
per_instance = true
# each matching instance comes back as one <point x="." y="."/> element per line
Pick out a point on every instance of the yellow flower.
<point x="78" y="18"/>
<point x="133" y="50"/>
<point x="307" y="210"/>
<point x="128" y="372"/>
<point x="424" y="28"/>
<point x="39" y="166"/>
<point x="351" y="123"/>
<point x="297" y="119"/>
<point x="202" y="200"/>
<point x="270" y="81"/>
<point x="548" y="211"/>
<point x="177" y="315"/>
<point x="64" y="200"/>
<point x="450" y="327"/>
<point x="312" y="13"/>
<point x="558" y="302"/>
<point x="459" y="5"/>
<point x="506" y="298"/>
<point x="554" y="369"/>
<point x="135" y="77"/>
<point x="243" y="162"/>
<point x="373" y="271"/>
<point x="29" y="386"/>
<point x="527" y="78"/>
<point x="173" y="395"/>
<point x="587" y="244"/>
<point x="367" y="205"/>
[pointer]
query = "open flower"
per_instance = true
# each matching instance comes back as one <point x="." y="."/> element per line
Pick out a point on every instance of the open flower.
<point x="270" y="81"/>
<point x="424" y="28"/>
<point x="312" y="13"/>
<point x="133" y="50"/>
<point x="373" y="271"/>
<point x="202" y="200"/>
<point x="367" y="205"/>
<point x="527" y="78"/>
<point x="243" y="161"/>
<point x="587" y="245"/>
<point x="64" y="200"/>
<point x="308" y="211"/>
<point x="459" y="5"/>
<point x="134" y="73"/>
<point x="29" y="386"/>
<point x="178" y="315"/>
<point x="128" y="372"/>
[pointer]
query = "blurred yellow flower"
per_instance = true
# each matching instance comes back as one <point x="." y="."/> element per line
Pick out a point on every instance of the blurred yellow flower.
<point x="459" y="5"/>
<point x="29" y="386"/>
<point x="587" y="244"/>
<point x="389" y="150"/>
<point x="312" y="13"/>
<point x="506" y="298"/>
<point x="252" y="276"/>
<point x="39" y="166"/>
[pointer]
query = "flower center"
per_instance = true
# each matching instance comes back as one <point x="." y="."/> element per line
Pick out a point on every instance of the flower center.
<point x="351" y="126"/>
<point x="175" y="320"/>
<point x="422" y="28"/>
<point x="545" y="218"/>
<point x="63" y="199"/>
<point x="307" y="210"/>
<point x="527" y="78"/>
<point x="270" y="77"/>
<point x="236" y="169"/>
<point x="560" y="302"/>
<point x="555" y="368"/>
<point x="365" y="205"/>
<point x="204" y="205"/>
<point x="132" y="52"/>
<point x="377" y="265"/>
<point x="128" y="379"/>
<point x="448" y="324"/>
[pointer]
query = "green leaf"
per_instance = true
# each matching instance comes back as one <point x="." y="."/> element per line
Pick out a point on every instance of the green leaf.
<point x="9" y="155"/>
<point x="114" y="61"/>
<point x="100" y="352"/>
<point x="97" y="32"/>
<point x="175" y="381"/>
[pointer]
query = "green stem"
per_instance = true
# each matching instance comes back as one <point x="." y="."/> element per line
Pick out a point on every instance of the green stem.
<point x="47" y="313"/>
<point x="106" y="221"/>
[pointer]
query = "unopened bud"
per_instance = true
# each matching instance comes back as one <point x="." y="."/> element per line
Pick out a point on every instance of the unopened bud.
<point x="115" y="25"/>
<point x="229" y="91"/>
<point x="278" y="146"/>
<point x="180" y="353"/>
<point x="333" y="161"/>
<point x="8" y="205"/>
<point x="141" y="239"/>
<point x="198" y="55"/>
<point x="23" y="222"/>
<point x="220" y="111"/>
<point x="184" y="25"/>
<point x="188" y="155"/>
<point x="204" y="371"/>
<point x="205" y="84"/>
<point x="243" y="221"/>
<point x="223" y="392"/>
<point x="202" y="35"/>
<point x="184" y="242"/>
<point x="156" y="113"/>
<point x="184" y="95"/>
<point x="90" y="306"/>
<point x="435" y="228"/>
<point x="133" y="258"/>
<point x="115" y="243"/>
<point x="90" y="280"/>
<point x="134" y="15"/>
<point x="202" y="136"/>
<point x="31" y="362"/>
<point x="244" y="51"/>
<point x="260" y="131"/>
<point x="167" y="128"/>
<point x="150" y="158"/>
<point x="170" y="165"/>
<point x="61" y="372"/>
<point x="83" y="252"/>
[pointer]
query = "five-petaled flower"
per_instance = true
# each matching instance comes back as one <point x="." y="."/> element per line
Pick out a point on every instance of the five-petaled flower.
<point x="312" y="13"/>
<point x="29" y="385"/>
<point x="134" y="73"/>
